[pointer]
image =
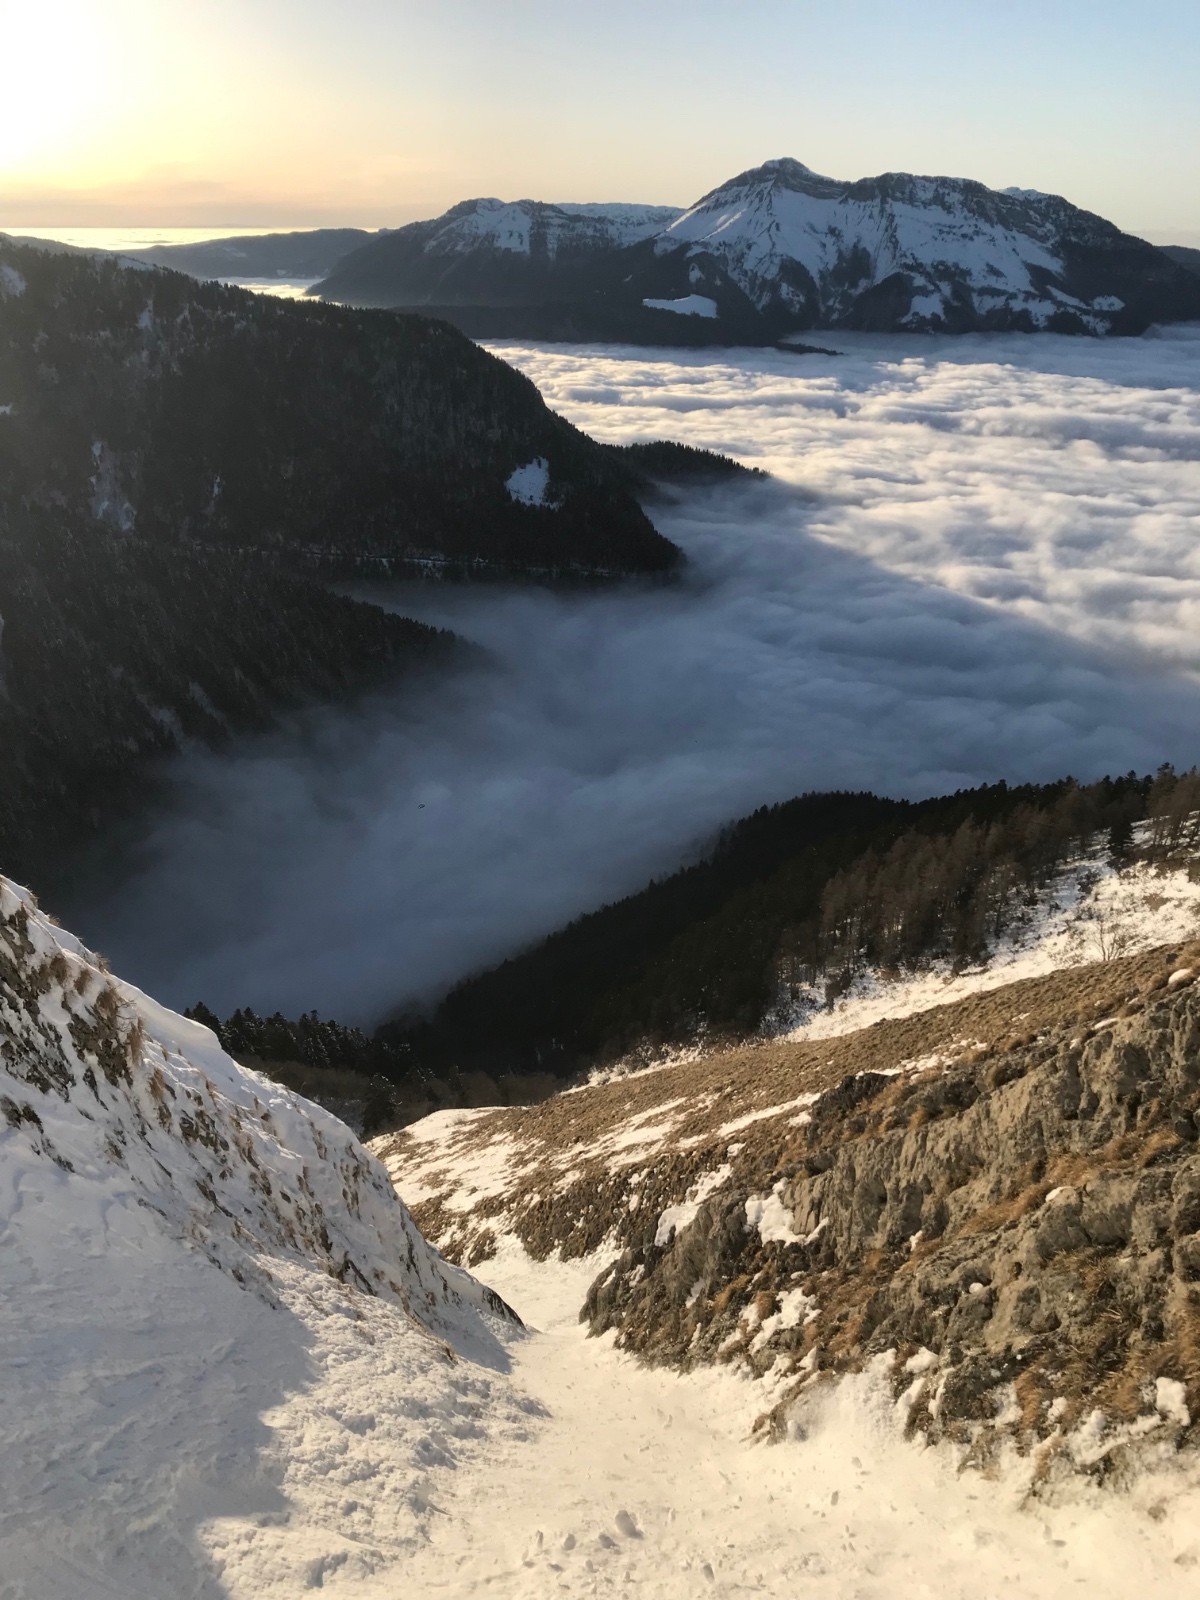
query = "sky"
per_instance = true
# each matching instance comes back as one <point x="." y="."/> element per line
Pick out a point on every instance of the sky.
<point x="279" y="113"/>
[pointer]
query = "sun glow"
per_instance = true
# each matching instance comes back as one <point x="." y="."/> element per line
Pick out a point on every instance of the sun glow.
<point x="59" y="73"/>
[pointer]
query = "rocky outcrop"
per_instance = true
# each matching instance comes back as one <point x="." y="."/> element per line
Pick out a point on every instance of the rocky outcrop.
<point x="994" y="1202"/>
<point x="1016" y="1235"/>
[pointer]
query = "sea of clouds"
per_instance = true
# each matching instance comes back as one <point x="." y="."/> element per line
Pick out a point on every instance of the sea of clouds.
<point x="976" y="558"/>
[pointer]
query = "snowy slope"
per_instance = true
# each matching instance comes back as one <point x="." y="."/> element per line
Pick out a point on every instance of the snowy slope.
<point x="646" y="1483"/>
<point x="1090" y="911"/>
<point x="818" y="248"/>
<point x="231" y="1364"/>
<point x="490" y="252"/>
<point x="536" y="226"/>
<point x="658" y="1482"/>
<point x="909" y="1145"/>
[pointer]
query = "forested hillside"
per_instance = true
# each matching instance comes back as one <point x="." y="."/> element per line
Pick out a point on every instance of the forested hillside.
<point x="115" y="651"/>
<point x="813" y="891"/>
<point x="174" y="411"/>
<point x="182" y="465"/>
<point x="808" y="890"/>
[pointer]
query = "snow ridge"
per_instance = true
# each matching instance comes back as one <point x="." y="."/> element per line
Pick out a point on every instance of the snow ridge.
<point x="229" y="1361"/>
<point x="106" y="1084"/>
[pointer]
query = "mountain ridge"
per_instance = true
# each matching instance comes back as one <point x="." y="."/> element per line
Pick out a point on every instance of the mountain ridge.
<point x="992" y="1205"/>
<point x="779" y="250"/>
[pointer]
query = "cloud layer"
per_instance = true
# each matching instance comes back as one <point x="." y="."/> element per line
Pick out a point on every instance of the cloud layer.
<point x="978" y="559"/>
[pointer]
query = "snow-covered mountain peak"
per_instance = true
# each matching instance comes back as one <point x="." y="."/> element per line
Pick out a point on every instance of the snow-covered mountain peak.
<point x="779" y="249"/>
<point x="783" y="172"/>
<point x="898" y="249"/>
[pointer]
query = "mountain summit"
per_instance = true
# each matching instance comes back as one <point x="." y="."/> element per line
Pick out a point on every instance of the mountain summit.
<point x="774" y="251"/>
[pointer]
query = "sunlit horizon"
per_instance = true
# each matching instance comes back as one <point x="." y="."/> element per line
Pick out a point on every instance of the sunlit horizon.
<point x="274" y="117"/>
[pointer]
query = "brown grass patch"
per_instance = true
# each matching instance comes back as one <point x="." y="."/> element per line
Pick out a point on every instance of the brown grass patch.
<point x="764" y="1304"/>
<point x="1003" y="1213"/>
<point x="1162" y="1141"/>
<point x="724" y="1299"/>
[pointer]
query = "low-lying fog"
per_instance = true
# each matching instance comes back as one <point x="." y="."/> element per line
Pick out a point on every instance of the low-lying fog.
<point x="978" y="559"/>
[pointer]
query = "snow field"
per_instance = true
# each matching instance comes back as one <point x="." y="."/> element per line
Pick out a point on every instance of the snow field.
<point x="688" y="305"/>
<point x="516" y="226"/>
<point x="642" y="1482"/>
<point x="198" y="1397"/>
<point x="529" y="485"/>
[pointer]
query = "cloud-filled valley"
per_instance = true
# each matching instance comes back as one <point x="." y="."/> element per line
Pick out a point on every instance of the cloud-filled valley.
<point x="977" y="558"/>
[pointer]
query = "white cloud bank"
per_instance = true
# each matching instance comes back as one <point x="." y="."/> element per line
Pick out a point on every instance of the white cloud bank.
<point x="980" y="558"/>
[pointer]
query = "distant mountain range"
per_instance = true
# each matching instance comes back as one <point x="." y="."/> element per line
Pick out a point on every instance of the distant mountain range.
<point x="1184" y="254"/>
<point x="302" y="254"/>
<point x="309" y="254"/>
<point x="775" y="252"/>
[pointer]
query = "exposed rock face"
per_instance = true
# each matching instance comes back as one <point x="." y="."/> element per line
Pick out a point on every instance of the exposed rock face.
<point x="997" y="1200"/>
<point x="1024" y="1230"/>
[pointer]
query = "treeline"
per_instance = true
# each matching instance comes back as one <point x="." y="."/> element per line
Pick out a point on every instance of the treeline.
<point x="804" y="891"/>
<point x="310" y="1040"/>
<point x="657" y="461"/>
<point x="377" y="1082"/>
<point x="113" y="655"/>
<point x="807" y="892"/>
<point x="951" y="895"/>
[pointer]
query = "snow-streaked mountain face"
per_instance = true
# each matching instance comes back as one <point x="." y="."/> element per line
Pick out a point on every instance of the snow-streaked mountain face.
<point x="228" y="1358"/>
<point x="491" y="252"/>
<point x="780" y="249"/>
<point x="536" y="228"/>
<point x="802" y="244"/>
<point x="114" y="1090"/>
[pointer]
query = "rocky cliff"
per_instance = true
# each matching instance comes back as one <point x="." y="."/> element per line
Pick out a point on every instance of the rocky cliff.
<point x="995" y="1202"/>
